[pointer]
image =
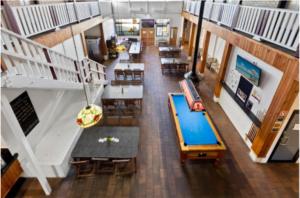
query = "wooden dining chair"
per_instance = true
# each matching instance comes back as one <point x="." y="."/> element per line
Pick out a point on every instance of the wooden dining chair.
<point x="166" y="69"/>
<point x="113" y="120"/>
<point x="125" y="60"/>
<point x="119" y="74"/>
<point x="103" y="165"/>
<point x="182" y="68"/>
<point x="109" y="106"/>
<point x="124" y="82"/>
<point x="128" y="74"/>
<point x="136" y="82"/>
<point x="124" y="166"/>
<point x="137" y="74"/>
<point x="129" y="108"/>
<point x="84" y="168"/>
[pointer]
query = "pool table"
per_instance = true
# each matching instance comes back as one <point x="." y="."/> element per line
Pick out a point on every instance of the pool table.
<point x="197" y="136"/>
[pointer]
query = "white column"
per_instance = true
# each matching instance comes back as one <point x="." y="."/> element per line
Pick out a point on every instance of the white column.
<point x="30" y="162"/>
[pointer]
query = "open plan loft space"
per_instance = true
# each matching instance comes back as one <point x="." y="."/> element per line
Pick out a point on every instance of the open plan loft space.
<point x="150" y="98"/>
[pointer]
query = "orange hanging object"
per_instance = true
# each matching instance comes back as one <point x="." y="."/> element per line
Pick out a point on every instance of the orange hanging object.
<point x="193" y="99"/>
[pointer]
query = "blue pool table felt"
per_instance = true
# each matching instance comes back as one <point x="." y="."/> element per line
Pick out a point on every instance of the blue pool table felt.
<point x="194" y="126"/>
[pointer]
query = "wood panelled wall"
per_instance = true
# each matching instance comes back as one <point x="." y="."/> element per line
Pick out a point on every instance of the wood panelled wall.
<point x="288" y="87"/>
<point x="53" y="38"/>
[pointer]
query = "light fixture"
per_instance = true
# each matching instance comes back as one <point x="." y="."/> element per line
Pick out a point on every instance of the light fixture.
<point x="91" y="114"/>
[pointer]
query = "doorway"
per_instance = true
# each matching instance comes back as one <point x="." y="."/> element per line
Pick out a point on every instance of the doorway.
<point x="148" y="36"/>
<point x="287" y="148"/>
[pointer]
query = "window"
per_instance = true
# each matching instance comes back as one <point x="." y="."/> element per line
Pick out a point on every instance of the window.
<point x="162" y="31"/>
<point x="128" y="27"/>
<point x="162" y="27"/>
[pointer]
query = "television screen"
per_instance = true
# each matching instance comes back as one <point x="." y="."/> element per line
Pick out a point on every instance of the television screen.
<point x="148" y="23"/>
<point x="248" y="70"/>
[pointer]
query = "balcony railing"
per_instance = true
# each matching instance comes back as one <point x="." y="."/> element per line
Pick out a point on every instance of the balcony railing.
<point x="23" y="58"/>
<point x="277" y="26"/>
<point x="31" y="20"/>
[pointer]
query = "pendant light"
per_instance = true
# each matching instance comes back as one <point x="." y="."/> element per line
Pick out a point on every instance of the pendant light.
<point x="91" y="114"/>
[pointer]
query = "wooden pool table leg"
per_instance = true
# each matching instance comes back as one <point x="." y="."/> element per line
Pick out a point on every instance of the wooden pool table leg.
<point x="182" y="158"/>
<point x="218" y="161"/>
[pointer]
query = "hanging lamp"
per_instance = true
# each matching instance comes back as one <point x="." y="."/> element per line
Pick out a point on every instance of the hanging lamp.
<point x="91" y="114"/>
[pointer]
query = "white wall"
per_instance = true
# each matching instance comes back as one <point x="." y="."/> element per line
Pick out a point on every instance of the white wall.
<point x="68" y="48"/>
<point x="93" y="32"/>
<point x="108" y="29"/>
<point x="42" y="101"/>
<point x="155" y="10"/>
<point x="268" y="84"/>
<point x="295" y="106"/>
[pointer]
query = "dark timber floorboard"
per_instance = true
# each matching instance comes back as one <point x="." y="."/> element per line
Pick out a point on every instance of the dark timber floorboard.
<point x="159" y="171"/>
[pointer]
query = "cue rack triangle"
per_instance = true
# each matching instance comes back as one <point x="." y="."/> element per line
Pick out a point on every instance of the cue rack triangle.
<point x="191" y="95"/>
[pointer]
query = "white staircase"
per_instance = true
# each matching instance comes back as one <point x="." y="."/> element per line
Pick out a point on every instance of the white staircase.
<point x="55" y="86"/>
<point x="27" y="64"/>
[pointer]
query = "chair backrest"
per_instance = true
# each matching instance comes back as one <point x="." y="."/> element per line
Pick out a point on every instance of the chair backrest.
<point x="121" y="161"/>
<point x="108" y="102"/>
<point x="119" y="72"/>
<point x="99" y="159"/>
<point x="81" y="162"/>
<point x="125" y="61"/>
<point x="128" y="72"/>
<point x="129" y="102"/>
<point x="136" y="82"/>
<point x="137" y="72"/>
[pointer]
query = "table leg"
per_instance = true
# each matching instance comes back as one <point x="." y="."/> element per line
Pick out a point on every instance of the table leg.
<point x="182" y="158"/>
<point x="135" y="165"/>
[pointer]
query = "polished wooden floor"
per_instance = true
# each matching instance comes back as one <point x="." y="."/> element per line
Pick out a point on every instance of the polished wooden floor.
<point x="159" y="171"/>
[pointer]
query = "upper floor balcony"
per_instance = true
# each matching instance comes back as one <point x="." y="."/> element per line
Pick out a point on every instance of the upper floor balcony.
<point x="279" y="27"/>
<point x="31" y="20"/>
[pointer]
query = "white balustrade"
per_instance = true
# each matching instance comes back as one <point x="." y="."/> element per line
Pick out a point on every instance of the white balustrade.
<point x="105" y="7"/>
<point x="97" y="71"/>
<point x="95" y="9"/>
<point x="25" y="58"/>
<point x="216" y="12"/>
<point x="229" y="14"/>
<point x="187" y="6"/>
<point x="278" y="26"/>
<point x="207" y="10"/>
<point x="34" y="19"/>
<point x="82" y="10"/>
<point x="4" y="23"/>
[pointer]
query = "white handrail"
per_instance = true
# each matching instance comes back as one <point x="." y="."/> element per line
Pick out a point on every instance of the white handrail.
<point x="27" y="59"/>
<point x="35" y="19"/>
<point x="278" y="26"/>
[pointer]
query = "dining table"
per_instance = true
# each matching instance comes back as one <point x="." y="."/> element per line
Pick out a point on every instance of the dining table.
<point x="169" y="51"/>
<point x="123" y="92"/>
<point x="93" y="143"/>
<point x="129" y="66"/>
<point x="174" y="65"/>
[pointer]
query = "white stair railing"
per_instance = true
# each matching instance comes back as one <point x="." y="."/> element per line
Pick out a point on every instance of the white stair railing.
<point x="30" y="20"/>
<point x="277" y="26"/>
<point x="96" y="71"/>
<point x="24" y="59"/>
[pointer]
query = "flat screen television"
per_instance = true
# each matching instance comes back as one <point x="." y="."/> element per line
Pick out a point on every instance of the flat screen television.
<point x="148" y="23"/>
<point x="248" y="70"/>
